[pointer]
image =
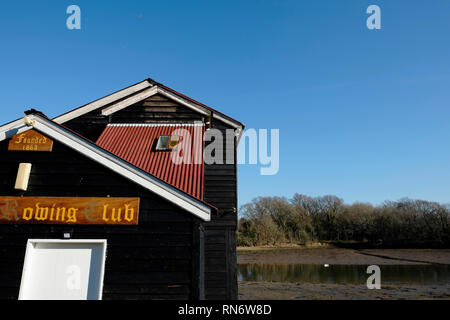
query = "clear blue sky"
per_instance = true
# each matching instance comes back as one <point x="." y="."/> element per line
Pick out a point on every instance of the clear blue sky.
<point x="362" y="114"/>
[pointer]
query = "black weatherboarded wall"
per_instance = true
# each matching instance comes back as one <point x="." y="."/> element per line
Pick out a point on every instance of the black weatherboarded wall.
<point x="157" y="259"/>
<point x="220" y="186"/>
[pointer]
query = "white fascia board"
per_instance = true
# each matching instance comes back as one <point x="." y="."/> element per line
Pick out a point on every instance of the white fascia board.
<point x="183" y="101"/>
<point x="200" y="109"/>
<point x="17" y="126"/>
<point x="196" y="107"/>
<point x="102" y="102"/>
<point x="122" y="167"/>
<point x="134" y="98"/>
<point x="155" y="90"/>
<point x="148" y="93"/>
<point x="155" y="124"/>
<point x="11" y="125"/>
<point x="130" y="101"/>
<point x="239" y="131"/>
<point x="11" y="129"/>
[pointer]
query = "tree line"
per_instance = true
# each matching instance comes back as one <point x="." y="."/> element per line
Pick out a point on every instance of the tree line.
<point x="303" y="219"/>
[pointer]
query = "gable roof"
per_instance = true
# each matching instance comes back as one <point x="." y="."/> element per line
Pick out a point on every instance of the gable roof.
<point x="80" y="144"/>
<point x="135" y="143"/>
<point x="140" y="91"/>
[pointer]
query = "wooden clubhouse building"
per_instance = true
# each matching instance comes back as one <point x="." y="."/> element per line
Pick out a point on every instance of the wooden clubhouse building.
<point x="92" y="205"/>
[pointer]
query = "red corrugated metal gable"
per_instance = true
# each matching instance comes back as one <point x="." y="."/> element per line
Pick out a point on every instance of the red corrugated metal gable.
<point x="135" y="143"/>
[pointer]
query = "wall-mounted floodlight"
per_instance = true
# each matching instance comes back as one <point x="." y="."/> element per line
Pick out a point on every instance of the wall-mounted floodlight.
<point x="23" y="175"/>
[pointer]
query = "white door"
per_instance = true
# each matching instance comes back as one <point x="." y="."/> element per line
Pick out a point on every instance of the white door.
<point x="63" y="270"/>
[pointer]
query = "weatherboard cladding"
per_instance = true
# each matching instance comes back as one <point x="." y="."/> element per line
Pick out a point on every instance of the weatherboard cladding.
<point x="167" y="223"/>
<point x="135" y="143"/>
<point x="152" y="260"/>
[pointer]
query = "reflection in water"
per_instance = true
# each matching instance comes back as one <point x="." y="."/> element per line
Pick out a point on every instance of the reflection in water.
<point x="354" y="274"/>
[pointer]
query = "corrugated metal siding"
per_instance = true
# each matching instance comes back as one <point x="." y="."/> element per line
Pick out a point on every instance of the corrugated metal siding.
<point x="134" y="143"/>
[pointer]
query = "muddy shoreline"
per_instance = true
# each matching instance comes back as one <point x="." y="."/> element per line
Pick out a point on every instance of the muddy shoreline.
<point x="308" y="291"/>
<point x="262" y="290"/>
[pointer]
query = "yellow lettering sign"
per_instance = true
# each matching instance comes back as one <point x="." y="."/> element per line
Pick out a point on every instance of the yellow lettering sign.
<point x="53" y="210"/>
<point x="30" y="140"/>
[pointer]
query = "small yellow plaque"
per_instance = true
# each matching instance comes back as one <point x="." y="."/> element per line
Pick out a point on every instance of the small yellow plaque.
<point x="30" y="140"/>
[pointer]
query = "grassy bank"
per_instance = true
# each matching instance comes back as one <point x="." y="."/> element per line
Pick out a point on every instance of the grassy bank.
<point x="285" y="246"/>
<point x="329" y="254"/>
<point x="350" y="244"/>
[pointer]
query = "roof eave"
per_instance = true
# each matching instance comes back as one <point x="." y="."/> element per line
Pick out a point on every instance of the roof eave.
<point x="122" y="167"/>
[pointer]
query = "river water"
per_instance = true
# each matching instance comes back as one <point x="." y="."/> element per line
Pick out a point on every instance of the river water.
<point x="342" y="274"/>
